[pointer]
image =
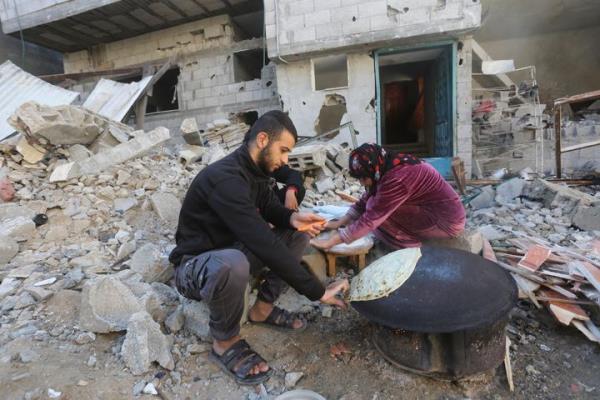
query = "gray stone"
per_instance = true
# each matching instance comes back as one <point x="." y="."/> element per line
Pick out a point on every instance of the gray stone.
<point x="325" y="185"/>
<point x="123" y="204"/>
<point x="292" y="301"/>
<point x="167" y="206"/>
<point x="167" y="294"/>
<point x="145" y="343"/>
<point x="79" y="152"/>
<point x="175" y="320"/>
<point x="491" y="233"/>
<point x="107" y="305"/>
<point x="150" y="389"/>
<point x="8" y="287"/>
<point x="73" y="278"/>
<point x="587" y="218"/>
<point x="85" y="337"/>
<point x="138" y="387"/>
<point x="471" y="241"/>
<point x="191" y="154"/>
<point x="125" y="151"/>
<point x="24" y="300"/>
<point x="57" y="233"/>
<point x="508" y="191"/>
<point x="8" y="249"/>
<point x="484" y="200"/>
<point x="197" y="317"/>
<point x="28" y="355"/>
<point x="126" y="249"/>
<point x="292" y="378"/>
<point x="190" y="132"/>
<point x="38" y="293"/>
<point x="557" y="196"/>
<point x="150" y="264"/>
<point x="19" y="228"/>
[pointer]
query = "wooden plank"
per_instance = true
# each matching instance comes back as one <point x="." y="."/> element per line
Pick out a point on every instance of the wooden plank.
<point x="458" y="170"/>
<point x="565" y="313"/>
<point x="578" y="98"/>
<point x="508" y="366"/>
<point x="346" y="197"/>
<point x="534" y="258"/>
<point x="590" y="272"/>
<point x="583" y="329"/>
<point x="580" y="146"/>
<point x="488" y="251"/>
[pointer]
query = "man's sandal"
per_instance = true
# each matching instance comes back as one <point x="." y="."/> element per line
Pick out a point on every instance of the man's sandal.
<point x="283" y="320"/>
<point x="238" y="360"/>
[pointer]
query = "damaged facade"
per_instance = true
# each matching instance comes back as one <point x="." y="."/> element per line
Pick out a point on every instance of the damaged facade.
<point x="330" y="62"/>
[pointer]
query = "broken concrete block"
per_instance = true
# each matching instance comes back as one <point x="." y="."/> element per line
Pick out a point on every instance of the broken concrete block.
<point x="78" y="152"/>
<point x="471" y="241"/>
<point x="150" y="264"/>
<point x="8" y="287"/>
<point x="8" y="211"/>
<point x="56" y="233"/>
<point x="484" y="200"/>
<point x="325" y="185"/>
<point x="116" y="155"/>
<point x="190" y="132"/>
<point x="508" y="191"/>
<point x="8" y="249"/>
<point x="19" y="228"/>
<point x="38" y="293"/>
<point x="144" y="344"/>
<point x="191" y="154"/>
<point x="557" y="196"/>
<point x="221" y="123"/>
<point x="126" y="249"/>
<point x="307" y="157"/>
<point x="587" y="218"/>
<point x="197" y="317"/>
<point x="31" y="154"/>
<point x="60" y="125"/>
<point x="167" y="206"/>
<point x="123" y="204"/>
<point x="175" y="320"/>
<point x="107" y="305"/>
<point x="213" y="154"/>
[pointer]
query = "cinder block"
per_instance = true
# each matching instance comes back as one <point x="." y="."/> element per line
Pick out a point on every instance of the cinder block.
<point x="331" y="30"/>
<point x="328" y="5"/>
<point x="304" y="35"/>
<point x="317" y="18"/>
<point x="292" y="23"/>
<point x="372" y="8"/>
<point x="344" y="13"/>
<point x="358" y="26"/>
<point x="301" y="7"/>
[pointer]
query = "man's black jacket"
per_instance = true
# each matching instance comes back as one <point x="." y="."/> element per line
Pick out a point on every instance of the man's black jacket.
<point x="231" y="201"/>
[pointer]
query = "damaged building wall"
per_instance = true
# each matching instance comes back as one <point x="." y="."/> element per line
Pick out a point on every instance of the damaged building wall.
<point x="464" y="131"/>
<point x="205" y="52"/>
<point x="306" y="26"/>
<point x="304" y="104"/>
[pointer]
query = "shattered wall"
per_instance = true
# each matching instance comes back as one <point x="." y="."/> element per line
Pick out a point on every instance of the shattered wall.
<point x="304" y="104"/>
<point x="204" y="51"/>
<point x="305" y="26"/>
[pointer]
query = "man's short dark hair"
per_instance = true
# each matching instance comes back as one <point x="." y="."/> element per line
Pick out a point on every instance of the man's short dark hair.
<point x="273" y="123"/>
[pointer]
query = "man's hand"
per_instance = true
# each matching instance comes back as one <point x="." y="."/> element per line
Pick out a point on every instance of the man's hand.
<point x="291" y="201"/>
<point x="333" y="290"/>
<point x="326" y="244"/>
<point x="302" y="219"/>
<point x="333" y="224"/>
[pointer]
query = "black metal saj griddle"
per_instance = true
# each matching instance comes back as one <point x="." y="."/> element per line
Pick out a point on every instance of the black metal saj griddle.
<point x="448" y="319"/>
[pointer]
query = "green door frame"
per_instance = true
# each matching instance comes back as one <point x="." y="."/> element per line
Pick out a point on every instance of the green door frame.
<point x="442" y="164"/>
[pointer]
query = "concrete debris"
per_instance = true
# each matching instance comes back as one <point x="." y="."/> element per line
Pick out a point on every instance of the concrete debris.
<point x="19" y="228"/>
<point x="308" y="157"/>
<point x="324" y="185"/>
<point x="78" y="152"/>
<point x="214" y="153"/>
<point x="469" y="240"/>
<point x="485" y="199"/>
<point x="107" y="305"/>
<point x="116" y="155"/>
<point x="8" y="287"/>
<point x="60" y="125"/>
<point x="175" y="320"/>
<point x="190" y="132"/>
<point x="144" y="344"/>
<point x="197" y="318"/>
<point x="509" y="190"/>
<point x="8" y="249"/>
<point x="587" y="218"/>
<point x="31" y="153"/>
<point x="167" y="206"/>
<point x="38" y="293"/>
<point x="292" y="378"/>
<point x="150" y="264"/>
<point x="227" y="136"/>
<point x="190" y="154"/>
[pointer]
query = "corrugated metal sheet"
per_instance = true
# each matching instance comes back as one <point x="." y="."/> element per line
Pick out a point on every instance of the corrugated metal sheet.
<point x="18" y="87"/>
<point x="114" y="99"/>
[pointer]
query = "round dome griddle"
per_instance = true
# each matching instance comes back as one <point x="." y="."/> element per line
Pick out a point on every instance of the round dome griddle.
<point x="449" y="290"/>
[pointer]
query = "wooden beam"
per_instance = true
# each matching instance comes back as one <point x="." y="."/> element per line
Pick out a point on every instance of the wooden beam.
<point x="580" y="146"/>
<point x="84" y="75"/>
<point x="589" y="96"/>
<point x="557" y="145"/>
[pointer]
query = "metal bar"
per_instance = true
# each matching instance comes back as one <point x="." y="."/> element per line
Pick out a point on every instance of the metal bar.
<point x="580" y="146"/>
<point x="306" y="139"/>
<point x="557" y="145"/>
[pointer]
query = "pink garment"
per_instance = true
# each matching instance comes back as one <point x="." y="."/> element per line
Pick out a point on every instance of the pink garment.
<point x="412" y="203"/>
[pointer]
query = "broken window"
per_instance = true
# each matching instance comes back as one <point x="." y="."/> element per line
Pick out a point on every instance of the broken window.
<point x="247" y="65"/>
<point x="164" y="93"/>
<point x="330" y="72"/>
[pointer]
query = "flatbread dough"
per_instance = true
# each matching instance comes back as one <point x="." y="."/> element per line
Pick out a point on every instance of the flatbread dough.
<point x="384" y="275"/>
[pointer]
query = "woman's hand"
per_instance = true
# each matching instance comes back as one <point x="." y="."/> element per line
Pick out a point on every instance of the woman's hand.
<point x="326" y="244"/>
<point x="333" y="224"/>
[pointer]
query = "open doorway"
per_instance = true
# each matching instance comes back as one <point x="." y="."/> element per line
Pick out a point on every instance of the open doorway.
<point x="416" y="91"/>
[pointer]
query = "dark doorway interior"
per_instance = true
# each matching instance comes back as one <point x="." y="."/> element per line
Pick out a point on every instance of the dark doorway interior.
<point x="164" y="93"/>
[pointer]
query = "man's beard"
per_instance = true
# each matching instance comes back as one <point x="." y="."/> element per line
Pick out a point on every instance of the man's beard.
<point x="265" y="161"/>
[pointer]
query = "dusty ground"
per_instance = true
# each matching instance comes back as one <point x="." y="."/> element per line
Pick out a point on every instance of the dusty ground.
<point x="549" y="362"/>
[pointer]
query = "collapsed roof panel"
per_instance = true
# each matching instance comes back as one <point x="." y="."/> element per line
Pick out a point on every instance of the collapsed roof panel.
<point x="20" y="87"/>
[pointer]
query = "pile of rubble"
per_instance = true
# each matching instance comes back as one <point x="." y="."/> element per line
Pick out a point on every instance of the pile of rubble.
<point x="507" y="128"/>
<point x="548" y="236"/>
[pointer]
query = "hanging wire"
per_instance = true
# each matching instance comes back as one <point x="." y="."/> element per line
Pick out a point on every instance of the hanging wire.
<point x="18" y="17"/>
